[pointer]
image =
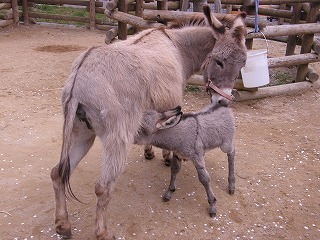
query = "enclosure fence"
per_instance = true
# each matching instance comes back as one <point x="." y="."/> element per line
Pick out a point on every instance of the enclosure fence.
<point x="294" y="22"/>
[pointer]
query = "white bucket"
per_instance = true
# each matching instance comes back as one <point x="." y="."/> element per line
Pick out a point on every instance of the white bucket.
<point x="256" y="72"/>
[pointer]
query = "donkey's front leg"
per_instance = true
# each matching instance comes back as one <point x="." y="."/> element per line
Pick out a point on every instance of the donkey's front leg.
<point x="231" y="178"/>
<point x="204" y="178"/>
<point x="175" y="168"/>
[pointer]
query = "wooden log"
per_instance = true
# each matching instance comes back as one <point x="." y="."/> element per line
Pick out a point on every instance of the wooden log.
<point x="112" y="33"/>
<point x="291" y="88"/>
<point x="172" y="5"/>
<point x="293" y="60"/>
<point x="316" y="45"/>
<point x="5" y="23"/>
<point x="92" y="14"/>
<point x="68" y="2"/>
<point x="312" y="75"/>
<point x="5" y="5"/>
<point x="59" y="17"/>
<point x="278" y="2"/>
<point x="292" y="39"/>
<point x="307" y="41"/>
<point x="275" y="12"/>
<point x="111" y="5"/>
<point x="217" y="6"/>
<point x="122" y="26"/>
<point x="104" y="27"/>
<point x="284" y="30"/>
<point x="25" y="12"/>
<point x="162" y="15"/>
<point x="6" y="1"/>
<point x="197" y="5"/>
<point x="131" y="19"/>
<point x="15" y="11"/>
<point x="184" y="5"/>
<point x="6" y="15"/>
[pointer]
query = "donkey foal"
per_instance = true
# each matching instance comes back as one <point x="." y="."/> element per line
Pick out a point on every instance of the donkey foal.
<point x="196" y="133"/>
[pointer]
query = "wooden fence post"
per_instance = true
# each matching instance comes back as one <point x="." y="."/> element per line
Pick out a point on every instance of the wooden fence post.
<point x="307" y="41"/>
<point x="25" y="12"/>
<point x="92" y="8"/>
<point x="122" y="27"/>
<point x="292" y="39"/>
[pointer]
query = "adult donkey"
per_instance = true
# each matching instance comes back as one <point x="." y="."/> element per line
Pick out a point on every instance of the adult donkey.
<point x="107" y="92"/>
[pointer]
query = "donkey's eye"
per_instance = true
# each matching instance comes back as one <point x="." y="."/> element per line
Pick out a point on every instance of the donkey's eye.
<point x="220" y="64"/>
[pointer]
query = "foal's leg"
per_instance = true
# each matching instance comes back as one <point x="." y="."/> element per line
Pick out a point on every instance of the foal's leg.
<point x="148" y="152"/>
<point x="83" y="139"/>
<point x="204" y="178"/>
<point x="231" y="178"/>
<point x="175" y="168"/>
<point x="167" y="157"/>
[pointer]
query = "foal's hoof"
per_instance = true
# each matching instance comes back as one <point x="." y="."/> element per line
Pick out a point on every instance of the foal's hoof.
<point x="149" y="156"/>
<point x="212" y="214"/>
<point x="167" y="162"/>
<point x="231" y="192"/>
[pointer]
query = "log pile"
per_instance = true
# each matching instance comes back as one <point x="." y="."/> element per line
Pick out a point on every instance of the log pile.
<point x="9" y="14"/>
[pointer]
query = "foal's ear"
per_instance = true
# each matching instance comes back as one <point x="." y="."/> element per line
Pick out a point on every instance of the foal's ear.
<point x="212" y="21"/>
<point x="170" y="118"/>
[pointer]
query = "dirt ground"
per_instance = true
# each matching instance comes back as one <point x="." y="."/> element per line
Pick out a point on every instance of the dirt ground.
<point x="277" y="161"/>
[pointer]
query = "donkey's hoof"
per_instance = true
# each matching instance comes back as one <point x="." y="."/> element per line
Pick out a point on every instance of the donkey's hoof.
<point x="149" y="156"/>
<point x="106" y="236"/>
<point x="231" y="192"/>
<point x="63" y="231"/>
<point x="166" y="197"/>
<point x="167" y="162"/>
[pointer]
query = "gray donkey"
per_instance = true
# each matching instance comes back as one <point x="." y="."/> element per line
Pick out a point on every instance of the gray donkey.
<point x="196" y="133"/>
<point x="111" y="86"/>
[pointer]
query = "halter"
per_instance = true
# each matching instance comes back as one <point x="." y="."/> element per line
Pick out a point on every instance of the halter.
<point x="218" y="90"/>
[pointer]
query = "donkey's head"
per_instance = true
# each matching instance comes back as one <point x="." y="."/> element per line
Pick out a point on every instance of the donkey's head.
<point x="222" y="66"/>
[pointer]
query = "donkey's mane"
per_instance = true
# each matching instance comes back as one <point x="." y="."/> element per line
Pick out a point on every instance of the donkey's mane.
<point x="193" y="21"/>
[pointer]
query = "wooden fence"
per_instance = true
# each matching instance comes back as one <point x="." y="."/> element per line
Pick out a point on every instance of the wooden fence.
<point x="297" y="25"/>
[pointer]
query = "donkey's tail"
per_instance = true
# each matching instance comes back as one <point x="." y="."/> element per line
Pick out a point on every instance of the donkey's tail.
<point x="64" y="168"/>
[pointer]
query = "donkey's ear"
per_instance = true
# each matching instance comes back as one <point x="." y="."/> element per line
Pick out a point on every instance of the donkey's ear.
<point x="238" y="28"/>
<point x="239" y="20"/>
<point x="212" y="21"/>
<point x="169" y="122"/>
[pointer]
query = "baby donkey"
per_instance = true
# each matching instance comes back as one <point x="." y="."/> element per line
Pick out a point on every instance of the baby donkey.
<point x="196" y="133"/>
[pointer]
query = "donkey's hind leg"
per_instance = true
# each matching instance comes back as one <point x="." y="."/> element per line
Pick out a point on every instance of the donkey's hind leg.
<point x="83" y="139"/>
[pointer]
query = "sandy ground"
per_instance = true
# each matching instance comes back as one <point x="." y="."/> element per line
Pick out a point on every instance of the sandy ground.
<point x="277" y="161"/>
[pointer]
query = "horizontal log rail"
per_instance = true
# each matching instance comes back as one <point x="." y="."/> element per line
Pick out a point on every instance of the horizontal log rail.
<point x="284" y="30"/>
<point x="69" y="2"/>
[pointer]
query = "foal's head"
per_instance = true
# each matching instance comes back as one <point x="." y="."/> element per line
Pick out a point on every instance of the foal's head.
<point x="222" y="66"/>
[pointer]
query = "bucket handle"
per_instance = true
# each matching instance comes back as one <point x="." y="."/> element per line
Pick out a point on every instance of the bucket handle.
<point x="264" y="39"/>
